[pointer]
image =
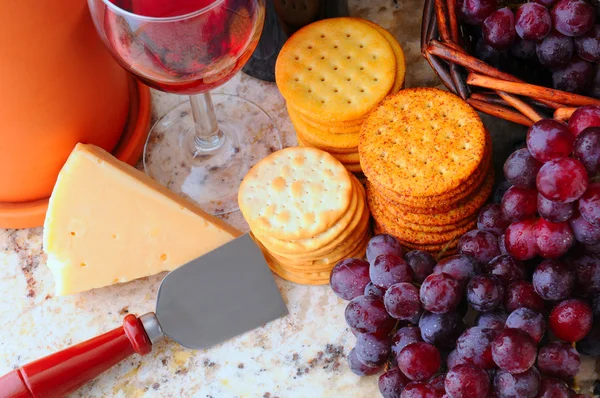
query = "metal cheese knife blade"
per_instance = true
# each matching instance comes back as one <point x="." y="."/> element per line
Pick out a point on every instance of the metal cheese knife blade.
<point x="211" y="299"/>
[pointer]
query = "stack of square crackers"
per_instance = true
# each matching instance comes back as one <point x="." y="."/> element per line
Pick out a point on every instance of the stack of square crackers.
<point x="306" y="212"/>
<point x="332" y="73"/>
<point x="427" y="157"/>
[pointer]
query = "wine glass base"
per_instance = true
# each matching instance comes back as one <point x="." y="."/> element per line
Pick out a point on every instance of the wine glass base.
<point x="212" y="178"/>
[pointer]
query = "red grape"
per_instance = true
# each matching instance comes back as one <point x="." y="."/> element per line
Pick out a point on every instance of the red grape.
<point x="587" y="270"/>
<point x="553" y="388"/>
<point x="392" y="382"/>
<point x="481" y="245"/>
<point x="421" y="263"/>
<point x="402" y="301"/>
<point x="589" y="204"/>
<point x="523" y="49"/>
<point x="388" y="269"/>
<point x="419" y="361"/>
<point x="562" y="180"/>
<point x="594" y="90"/>
<point x="485" y="292"/>
<point x="367" y="314"/>
<point x="546" y="3"/>
<point x="441" y="329"/>
<point x="454" y="359"/>
<point x="383" y="244"/>
<point x="549" y="139"/>
<point x="372" y="290"/>
<point x="499" y="29"/>
<point x="552" y="239"/>
<point x="574" y="77"/>
<point x="555" y="50"/>
<point x="492" y="219"/>
<point x="521" y="294"/>
<point x="502" y="244"/>
<point x="554" y="211"/>
<point x="529" y="321"/>
<point x="359" y="368"/>
<point x="533" y="21"/>
<point x="467" y="381"/>
<point x="474" y="346"/>
<point x="420" y="390"/>
<point x="491" y="320"/>
<point x="571" y="320"/>
<point x="519" y="240"/>
<point x="514" y="351"/>
<point x="349" y="278"/>
<point x="553" y="280"/>
<point x="521" y="168"/>
<point x="474" y="12"/>
<point x="559" y="360"/>
<point x="583" y="231"/>
<point x="587" y="149"/>
<point x="519" y="203"/>
<point x="437" y="383"/>
<point x="588" y="45"/>
<point x="405" y="336"/>
<point x="573" y="17"/>
<point x="461" y="267"/>
<point x="371" y="349"/>
<point x="584" y="117"/>
<point x="440" y="293"/>
<point x="504" y="185"/>
<point x="522" y="385"/>
<point x="507" y="269"/>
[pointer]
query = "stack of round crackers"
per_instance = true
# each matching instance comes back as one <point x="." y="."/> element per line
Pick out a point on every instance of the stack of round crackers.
<point x="306" y="212"/>
<point x="427" y="157"/>
<point x="332" y="73"/>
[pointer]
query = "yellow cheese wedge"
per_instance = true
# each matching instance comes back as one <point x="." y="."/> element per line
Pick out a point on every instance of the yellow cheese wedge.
<point x="107" y="223"/>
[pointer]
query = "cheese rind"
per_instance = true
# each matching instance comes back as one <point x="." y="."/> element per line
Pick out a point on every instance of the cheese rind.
<point x="108" y="222"/>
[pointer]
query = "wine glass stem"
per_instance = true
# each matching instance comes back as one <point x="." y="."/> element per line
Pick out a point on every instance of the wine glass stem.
<point x="208" y="137"/>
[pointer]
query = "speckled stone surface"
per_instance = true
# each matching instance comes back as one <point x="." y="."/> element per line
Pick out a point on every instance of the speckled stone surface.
<point x="302" y="355"/>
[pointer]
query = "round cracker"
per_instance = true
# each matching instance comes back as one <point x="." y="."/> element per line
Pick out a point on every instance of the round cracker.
<point x="335" y="69"/>
<point x="398" y="53"/>
<point x="295" y="193"/>
<point x="346" y="224"/>
<point x="323" y="139"/>
<point x="422" y="142"/>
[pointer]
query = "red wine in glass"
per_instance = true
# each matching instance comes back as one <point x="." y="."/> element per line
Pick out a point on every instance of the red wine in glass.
<point x="184" y="56"/>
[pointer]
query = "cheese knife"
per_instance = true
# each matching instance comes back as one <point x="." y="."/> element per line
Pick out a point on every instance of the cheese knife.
<point x="211" y="299"/>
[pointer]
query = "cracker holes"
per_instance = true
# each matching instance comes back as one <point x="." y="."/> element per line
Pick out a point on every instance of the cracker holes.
<point x="361" y="46"/>
<point x="83" y="265"/>
<point x="73" y="233"/>
<point x="348" y="79"/>
<point x="335" y="68"/>
<point x="322" y="79"/>
<point x="296" y="79"/>
<point x="163" y="257"/>
<point x="297" y="58"/>
<point x="309" y="47"/>
<point x="375" y="79"/>
<point x="335" y="47"/>
<point x="322" y="36"/>
<point x="362" y="90"/>
<point x="348" y="57"/>
<point x="347" y="35"/>
<point x="362" y="68"/>
<point x="349" y="101"/>
<point x="309" y="90"/>
<point x="322" y="57"/>
<point x="310" y="68"/>
<point x="335" y="90"/>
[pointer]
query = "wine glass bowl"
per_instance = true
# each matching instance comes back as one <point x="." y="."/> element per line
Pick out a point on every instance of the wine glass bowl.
<point x="201" y="149"/>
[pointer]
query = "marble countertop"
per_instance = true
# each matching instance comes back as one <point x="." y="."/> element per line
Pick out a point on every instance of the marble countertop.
<point x="301" y="355"/>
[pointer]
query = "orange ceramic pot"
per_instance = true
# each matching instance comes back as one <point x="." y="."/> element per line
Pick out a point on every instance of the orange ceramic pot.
<point x="58" y="86"/>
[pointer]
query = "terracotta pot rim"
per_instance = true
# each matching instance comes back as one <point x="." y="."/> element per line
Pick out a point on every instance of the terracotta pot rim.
<point x="129" y="149"/>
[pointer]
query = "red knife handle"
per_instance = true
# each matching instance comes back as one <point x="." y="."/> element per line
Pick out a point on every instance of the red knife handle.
<point x="65" y="371"/>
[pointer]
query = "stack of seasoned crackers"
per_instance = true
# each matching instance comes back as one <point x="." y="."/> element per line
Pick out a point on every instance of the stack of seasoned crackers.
<point x="427" y="157"/>
<point x="306" y="212"/>
<point x="332" y="73"/>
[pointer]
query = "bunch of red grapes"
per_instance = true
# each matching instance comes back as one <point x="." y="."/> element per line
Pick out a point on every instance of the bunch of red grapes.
<point x="562" y="34"/>
<point x="516" y="276"/>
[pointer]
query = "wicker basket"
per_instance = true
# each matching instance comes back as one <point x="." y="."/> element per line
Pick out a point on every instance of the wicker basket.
<point x="484" y="87"/>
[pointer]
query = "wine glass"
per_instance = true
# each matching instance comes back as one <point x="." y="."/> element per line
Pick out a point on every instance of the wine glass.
<point x="204" y="147"/>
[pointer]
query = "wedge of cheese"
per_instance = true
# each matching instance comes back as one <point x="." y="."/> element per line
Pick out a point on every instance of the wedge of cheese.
<point x="108" y="222"/>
